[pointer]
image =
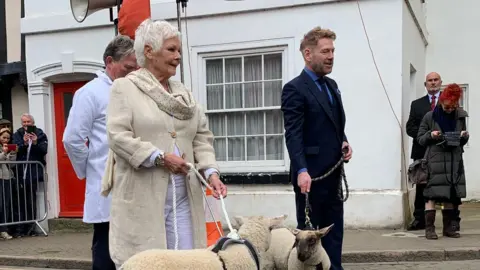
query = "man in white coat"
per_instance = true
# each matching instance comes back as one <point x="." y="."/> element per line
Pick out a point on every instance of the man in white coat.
<point x="85" y="141"/>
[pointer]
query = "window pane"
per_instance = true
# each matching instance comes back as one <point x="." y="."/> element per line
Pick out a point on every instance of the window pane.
<point x="274" y="122"/>
<point x="236" y="149"/>
<point x="235" y="124"/>
<point x="214" y="70"/>
<point x="272" y="66"/>
<point x="220" y="146"/>
<point x="67" y="105"/>
<point x="255" y="148"/>
<point x="216" y="123"/>
<point x="253" y="95"/>
<point x="274" y="147"/>
<point x="254" y="123"/>
<point x="253" y="68"/>
<point x="273" y="93"/>
<point x="214" y="97"/>
<point x="233" y="69"/>
<point x="233" y="94"/>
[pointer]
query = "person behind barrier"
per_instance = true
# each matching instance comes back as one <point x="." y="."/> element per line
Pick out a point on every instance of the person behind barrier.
<point x="32" y="145"/>
<point x="6" y="176"/>
<point x="443" y="132"/>
<point x="418" y="109"/>
<point x="155" y="127"/>
<point x="87" y="125"/>
<point x="314" y="121"/>
<point x="5" y="123"/>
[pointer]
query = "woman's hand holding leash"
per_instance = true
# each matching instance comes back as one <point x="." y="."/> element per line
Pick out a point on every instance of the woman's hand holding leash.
<point x="176" y="164"/>
<point x="218" y="186"/>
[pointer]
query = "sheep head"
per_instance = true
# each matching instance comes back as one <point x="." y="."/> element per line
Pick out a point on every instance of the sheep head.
<point x="257" y="229"/>
<point x="309" y="245"/>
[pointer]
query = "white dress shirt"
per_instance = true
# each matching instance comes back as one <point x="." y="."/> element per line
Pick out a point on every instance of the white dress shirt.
<point x="87" y="121"/>
<point x="436" y="98"/>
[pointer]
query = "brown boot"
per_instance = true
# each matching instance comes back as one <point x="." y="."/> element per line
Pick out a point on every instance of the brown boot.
<point x="430" y="225"/>
<point x="448" y="226"/>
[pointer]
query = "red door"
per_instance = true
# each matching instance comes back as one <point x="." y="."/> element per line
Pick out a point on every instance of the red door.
<point x="72" y="189"/>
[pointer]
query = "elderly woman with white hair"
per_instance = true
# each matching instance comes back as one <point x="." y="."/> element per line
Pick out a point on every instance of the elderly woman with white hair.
<point x="154" y="128"/>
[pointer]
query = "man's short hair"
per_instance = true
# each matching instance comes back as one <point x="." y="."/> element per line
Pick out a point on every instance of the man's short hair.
<point x="118" y="48"/>
<point x="311" y="38"/>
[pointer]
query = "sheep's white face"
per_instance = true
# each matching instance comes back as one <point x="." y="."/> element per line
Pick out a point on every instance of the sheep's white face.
<point x="308" y="244"/>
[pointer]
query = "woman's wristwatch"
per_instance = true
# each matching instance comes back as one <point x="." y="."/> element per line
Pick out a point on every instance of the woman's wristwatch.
<point x="160" y="159"/>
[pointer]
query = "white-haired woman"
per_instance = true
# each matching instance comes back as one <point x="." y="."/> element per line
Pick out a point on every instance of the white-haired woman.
<point x="154" y="128"/>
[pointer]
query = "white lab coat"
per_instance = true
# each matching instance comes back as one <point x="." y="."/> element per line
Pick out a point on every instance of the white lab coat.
<point x="87" y="120"/>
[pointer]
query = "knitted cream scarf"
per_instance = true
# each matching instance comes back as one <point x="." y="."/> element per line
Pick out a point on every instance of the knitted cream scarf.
<point x="179" y="103"/>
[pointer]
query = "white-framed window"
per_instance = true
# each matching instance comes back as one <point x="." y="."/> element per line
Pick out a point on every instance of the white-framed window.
<point x="242" y="99"/>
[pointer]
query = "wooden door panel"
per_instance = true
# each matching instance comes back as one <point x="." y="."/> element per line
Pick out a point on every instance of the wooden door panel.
<point x="72" y="189"/>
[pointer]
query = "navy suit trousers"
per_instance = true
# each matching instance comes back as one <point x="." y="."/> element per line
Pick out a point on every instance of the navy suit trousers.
<point x="327" y="209"/>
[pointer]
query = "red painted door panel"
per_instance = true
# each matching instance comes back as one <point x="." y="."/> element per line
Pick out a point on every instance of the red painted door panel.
<point x="72" y="189"/>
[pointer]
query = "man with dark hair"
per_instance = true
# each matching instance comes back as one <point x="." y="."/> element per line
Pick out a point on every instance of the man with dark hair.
<point x="85" y="141"/>
<point x="315" y="136"/>
<point x="418" y="109"/>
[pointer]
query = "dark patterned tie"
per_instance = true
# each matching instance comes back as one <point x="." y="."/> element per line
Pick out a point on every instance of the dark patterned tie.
<point x="432" y="104"/>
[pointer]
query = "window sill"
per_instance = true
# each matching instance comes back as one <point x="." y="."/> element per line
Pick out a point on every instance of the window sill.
<point x="255" y="178"/>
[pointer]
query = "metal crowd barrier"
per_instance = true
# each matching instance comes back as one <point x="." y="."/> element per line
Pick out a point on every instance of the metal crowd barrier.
<point x="18" y="195"/>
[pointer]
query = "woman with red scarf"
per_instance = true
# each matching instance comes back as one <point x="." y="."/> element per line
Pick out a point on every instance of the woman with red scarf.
<point x="443" y="133"/>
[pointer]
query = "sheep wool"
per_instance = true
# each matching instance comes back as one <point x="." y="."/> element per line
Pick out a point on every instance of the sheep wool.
<point x="295" y="264"/>
<point x="235" y="256"/>
<point x="154" y="259"/>
<point x="260" y="237"/>
<point x="280" y="247"/>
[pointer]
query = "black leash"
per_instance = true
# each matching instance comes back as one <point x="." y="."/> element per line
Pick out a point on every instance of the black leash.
<point x="339" y="164"/>
<point x="223" y="242"/>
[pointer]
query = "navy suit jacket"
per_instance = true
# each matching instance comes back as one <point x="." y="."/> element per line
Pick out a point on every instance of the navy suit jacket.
<point x="313" y="137"/>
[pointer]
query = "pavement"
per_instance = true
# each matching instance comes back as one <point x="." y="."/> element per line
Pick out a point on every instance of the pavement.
<point x="449" y="265"/>
<point x="72" y="250"/>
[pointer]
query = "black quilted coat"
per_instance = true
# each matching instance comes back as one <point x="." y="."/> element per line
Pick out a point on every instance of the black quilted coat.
<point x="446" y="182"/>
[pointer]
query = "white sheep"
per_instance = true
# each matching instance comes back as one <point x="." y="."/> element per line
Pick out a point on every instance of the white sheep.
<point x="234" y="257"/>
<point x="294" y="249"/>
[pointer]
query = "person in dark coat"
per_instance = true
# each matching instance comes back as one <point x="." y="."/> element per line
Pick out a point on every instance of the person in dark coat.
<point x="418" y="109"/>
<point x="446" y="181"/>
<point x="32" y="145"/>
<point x="314" y="122"/>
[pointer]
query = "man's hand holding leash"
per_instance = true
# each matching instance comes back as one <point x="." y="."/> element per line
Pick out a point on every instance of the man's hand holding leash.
<point x="304" y="180"/>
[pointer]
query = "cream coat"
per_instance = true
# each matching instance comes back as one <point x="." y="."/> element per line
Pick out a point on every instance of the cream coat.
<point x="136" y="127"/>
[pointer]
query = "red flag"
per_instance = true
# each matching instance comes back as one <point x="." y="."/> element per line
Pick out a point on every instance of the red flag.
<point x="132" y="14"/>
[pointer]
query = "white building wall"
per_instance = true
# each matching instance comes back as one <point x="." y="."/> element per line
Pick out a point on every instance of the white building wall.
<point x="19" y="104"/>
<point x="374" y="173"/>
<point x="453" y="53"/>
<point x="413" y="76"/>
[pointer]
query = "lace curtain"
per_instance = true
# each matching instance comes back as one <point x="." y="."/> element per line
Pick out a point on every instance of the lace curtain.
<point x="249" y="87"/>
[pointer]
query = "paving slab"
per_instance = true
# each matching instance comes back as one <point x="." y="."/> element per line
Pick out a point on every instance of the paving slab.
<point x="73" y="250"/>
<point x="448" y="265"/>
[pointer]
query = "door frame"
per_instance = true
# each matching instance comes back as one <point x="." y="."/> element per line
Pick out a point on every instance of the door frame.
<point x="58" y="114"/>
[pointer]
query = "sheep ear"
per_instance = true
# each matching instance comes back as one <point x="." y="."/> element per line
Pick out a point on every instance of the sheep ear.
<point x="240" y="220"/>
<point x="294" y="231"/>
<point x="322" y="232"/>
<point x="277" y="221"/>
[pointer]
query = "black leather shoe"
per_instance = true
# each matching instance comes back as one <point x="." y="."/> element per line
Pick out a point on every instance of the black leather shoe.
<point x="416" y="225"/>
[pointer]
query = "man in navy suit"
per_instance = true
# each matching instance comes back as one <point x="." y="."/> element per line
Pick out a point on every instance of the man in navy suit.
<point x="315" y="136"/>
